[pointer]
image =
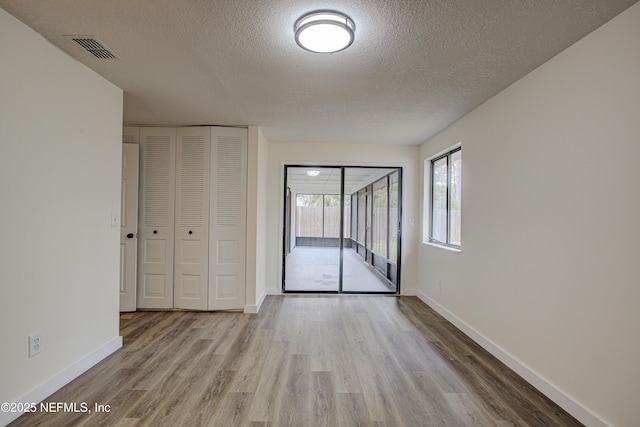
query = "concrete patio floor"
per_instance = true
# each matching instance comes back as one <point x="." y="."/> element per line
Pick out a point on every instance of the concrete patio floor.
<point x="310" y="268"/>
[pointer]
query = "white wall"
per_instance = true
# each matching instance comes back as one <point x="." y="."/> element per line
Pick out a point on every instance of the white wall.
<point x="548" y="273"/>
<point x="60" y="130"/>
<point x="281" y="153"/>
<point x="262" y="232"/>
<point x="256" y="220"/>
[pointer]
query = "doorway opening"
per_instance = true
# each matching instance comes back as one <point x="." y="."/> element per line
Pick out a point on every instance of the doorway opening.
<point x="342" y="229"/>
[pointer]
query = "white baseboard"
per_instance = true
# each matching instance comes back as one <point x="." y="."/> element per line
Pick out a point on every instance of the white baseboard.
<point x="54" y="384"/>
<point x="273" y="291"/>
<point x="261" y="299"/>
<point x="580" y="412"/>
<point x="409" y="292"/>
<point x="253" y="309"/>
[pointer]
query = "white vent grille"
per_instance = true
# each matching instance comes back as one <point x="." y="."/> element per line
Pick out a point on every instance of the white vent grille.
<point x="95" y="47"/>
<point x="229" y="181"/>
<point x="191" y="181"/>
<point x="156" y="194"/>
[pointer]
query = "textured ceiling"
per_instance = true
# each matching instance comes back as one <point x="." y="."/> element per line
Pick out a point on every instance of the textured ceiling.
<point x="415" y="66"/>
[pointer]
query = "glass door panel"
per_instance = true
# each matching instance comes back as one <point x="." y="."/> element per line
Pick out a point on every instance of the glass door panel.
<point x="367" y="267"/>
<point x="394" y="215"/>
<point x="313" y="263"/>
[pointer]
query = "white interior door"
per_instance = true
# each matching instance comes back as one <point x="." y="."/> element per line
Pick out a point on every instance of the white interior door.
<point x="129" y="227"/>
<point x="227" y="227"/>
<point x="191" y="269"/>
<point x="156" y="219"/>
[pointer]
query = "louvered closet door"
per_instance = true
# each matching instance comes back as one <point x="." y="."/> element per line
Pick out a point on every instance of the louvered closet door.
<point x="227" y="218"/>
<point x="131" y="135"/>
<point x="156" y="217"/>
<point x="192" y="218"/>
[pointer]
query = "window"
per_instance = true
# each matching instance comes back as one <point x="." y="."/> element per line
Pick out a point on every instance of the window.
<point x="353" y="209"/>
<point x="331" y="216"/>
<point x="310" y="215"/>
<point x="347" y="215"/>
<point x="445" y="200"/>
<point x="380" y="217"/>
<point x="361" y="216"/>
<point x="393" y="217"/>
<point x="318" y="215"/>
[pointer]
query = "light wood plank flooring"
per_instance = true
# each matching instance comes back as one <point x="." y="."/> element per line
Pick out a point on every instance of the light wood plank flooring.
<point x="302" y="361"/>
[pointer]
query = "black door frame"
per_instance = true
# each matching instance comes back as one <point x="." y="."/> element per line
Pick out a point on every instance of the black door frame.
<point x="342" y="168"/>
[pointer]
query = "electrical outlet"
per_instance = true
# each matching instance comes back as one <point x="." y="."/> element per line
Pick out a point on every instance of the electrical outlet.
<point x="440" y="284"/>
<point x="35" y="344"/>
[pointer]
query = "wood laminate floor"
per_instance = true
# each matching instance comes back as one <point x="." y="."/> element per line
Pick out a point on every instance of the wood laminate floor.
<point x="302" y="361"/>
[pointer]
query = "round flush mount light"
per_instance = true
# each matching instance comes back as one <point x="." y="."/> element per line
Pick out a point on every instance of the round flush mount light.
<point x="313" y="173"/>
<point x="324" y="31"/>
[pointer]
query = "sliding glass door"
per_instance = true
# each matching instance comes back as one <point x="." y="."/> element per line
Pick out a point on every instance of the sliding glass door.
<point x="341" y="229"/>
<point x="370" y="253"/>
<point x="313" y="262"/>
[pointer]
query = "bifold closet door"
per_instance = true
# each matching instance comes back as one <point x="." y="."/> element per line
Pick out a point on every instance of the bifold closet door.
<point x="156" y="218"/>
<point x="191" y="269"/>
<point x="228" y="215"/>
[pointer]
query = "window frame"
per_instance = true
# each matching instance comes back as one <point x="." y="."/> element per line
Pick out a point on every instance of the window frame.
<point x="443" y="155"/>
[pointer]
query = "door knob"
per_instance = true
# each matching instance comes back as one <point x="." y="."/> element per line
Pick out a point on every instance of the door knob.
<point x="130" y="236"/>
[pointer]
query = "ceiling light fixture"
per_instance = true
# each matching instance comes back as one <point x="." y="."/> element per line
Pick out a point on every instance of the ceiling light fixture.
<point x="313" y="173"/>
<point x="324" y="31"/>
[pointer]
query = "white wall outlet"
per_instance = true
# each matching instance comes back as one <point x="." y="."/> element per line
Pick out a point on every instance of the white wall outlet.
<point x="35" y="343"/>
<point x="114" y="219"/>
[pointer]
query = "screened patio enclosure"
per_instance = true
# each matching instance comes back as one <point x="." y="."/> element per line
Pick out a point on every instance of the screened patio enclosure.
<point x="342" y="229"/>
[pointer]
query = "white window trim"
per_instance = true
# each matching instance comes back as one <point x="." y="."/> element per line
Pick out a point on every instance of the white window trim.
<point x="446" y="248"/>
<point x="426" y="220"/>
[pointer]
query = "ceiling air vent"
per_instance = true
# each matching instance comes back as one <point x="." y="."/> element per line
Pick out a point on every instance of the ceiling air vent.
<point x="94" y="46"/>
